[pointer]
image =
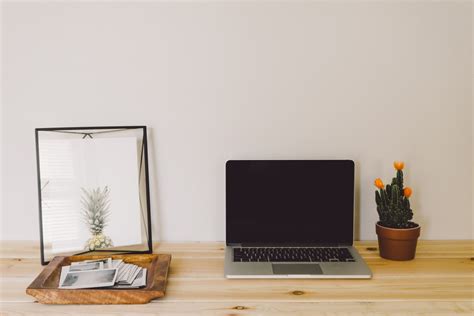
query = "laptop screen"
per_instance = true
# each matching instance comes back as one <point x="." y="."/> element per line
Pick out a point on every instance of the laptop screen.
<point x="289" y="201"/>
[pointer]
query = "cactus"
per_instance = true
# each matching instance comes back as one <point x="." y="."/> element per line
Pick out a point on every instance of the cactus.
<point x="393" y="205"/>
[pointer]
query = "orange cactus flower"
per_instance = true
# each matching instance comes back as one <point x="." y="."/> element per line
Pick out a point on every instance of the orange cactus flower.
<point x="407" y="192"/>
<point x="399" y="165"/>
<point x="378" y="183"/>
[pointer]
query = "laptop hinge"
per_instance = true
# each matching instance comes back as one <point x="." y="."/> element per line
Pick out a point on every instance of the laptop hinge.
<point x="233" y="244"/>
<point x="291" y="245"/>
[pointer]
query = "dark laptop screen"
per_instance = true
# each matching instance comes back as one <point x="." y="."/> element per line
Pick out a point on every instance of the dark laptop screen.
<point x="289" y="201"/>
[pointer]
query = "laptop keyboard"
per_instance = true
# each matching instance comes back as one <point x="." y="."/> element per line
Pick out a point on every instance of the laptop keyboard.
<point x="297" y="254"/>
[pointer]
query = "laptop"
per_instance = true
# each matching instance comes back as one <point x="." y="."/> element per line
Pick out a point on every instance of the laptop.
<point x="291" y="219"/>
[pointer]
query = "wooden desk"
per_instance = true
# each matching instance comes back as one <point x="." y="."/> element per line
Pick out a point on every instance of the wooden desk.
<point x="438" y="282"/>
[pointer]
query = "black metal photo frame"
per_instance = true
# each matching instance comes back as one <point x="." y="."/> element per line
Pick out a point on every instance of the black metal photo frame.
<point x="143" y="183"/>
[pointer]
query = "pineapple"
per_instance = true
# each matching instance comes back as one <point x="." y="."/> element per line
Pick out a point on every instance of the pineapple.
<point x="95" y="203"/>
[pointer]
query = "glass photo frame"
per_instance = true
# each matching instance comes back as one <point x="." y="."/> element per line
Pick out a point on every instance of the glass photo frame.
<point x="93" y="189"/>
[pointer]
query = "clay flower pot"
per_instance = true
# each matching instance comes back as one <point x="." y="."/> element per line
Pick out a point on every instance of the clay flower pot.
<point x="397" y="244"/>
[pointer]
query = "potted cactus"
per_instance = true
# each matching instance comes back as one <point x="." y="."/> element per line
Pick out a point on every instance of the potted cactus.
<point x="397" y="234"/>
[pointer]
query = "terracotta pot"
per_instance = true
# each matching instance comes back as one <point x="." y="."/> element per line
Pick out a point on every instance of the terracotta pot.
<point x="397" y="244"/>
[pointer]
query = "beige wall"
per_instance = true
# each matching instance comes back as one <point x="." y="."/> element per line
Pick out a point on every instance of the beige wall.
<point x="373" y="82"/>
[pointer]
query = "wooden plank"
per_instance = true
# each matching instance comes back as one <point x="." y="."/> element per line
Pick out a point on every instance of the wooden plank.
<point x="247" y="308"/>
<point x="453" y="288"/>
<point x="438" y="282"/>
<point x="19" y="249"/>
<point x="368" y="249"/>
<point x="425" y="249"/>
<point x="186" y="267"/>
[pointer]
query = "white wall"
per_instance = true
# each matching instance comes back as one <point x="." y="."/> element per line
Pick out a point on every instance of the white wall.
<point x="373" y="81"/>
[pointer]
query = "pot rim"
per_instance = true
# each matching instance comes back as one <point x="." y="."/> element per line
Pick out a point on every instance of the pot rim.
<point x="384" y="227"/>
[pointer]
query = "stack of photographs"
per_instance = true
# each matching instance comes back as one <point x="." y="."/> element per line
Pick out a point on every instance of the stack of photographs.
<point x="102" y="273"/>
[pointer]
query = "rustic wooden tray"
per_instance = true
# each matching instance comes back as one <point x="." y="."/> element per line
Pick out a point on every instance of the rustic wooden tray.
<point x="45" y="286"/>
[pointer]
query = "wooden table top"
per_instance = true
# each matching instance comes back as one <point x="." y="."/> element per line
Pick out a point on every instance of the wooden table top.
<point x="438" y="282"/>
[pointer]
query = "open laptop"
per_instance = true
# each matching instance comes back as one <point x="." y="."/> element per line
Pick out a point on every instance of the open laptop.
<point x="291" y="219"/>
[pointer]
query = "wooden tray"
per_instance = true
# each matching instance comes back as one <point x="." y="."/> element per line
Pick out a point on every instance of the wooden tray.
<point x="45" y="286"/>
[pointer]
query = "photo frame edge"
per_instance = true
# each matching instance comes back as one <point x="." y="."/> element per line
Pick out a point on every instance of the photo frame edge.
<point x="147" y="188"/>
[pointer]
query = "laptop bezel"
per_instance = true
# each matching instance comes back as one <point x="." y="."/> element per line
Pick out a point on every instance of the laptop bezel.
<point x="299" y="244"/>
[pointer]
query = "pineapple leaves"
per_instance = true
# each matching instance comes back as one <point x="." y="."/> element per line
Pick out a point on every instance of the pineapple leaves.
<point x="95" y="208"/>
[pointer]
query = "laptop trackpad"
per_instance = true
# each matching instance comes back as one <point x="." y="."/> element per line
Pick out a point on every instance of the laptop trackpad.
<point x="295" y="268"/>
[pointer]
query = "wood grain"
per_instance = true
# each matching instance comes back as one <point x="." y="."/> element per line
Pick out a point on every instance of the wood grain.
<point x="45" y="287"/>
<point x="438" y="282"/>
<point x="247" y="308"/>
